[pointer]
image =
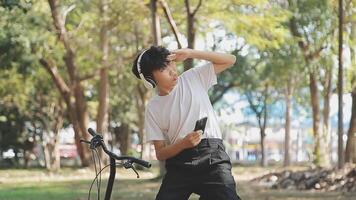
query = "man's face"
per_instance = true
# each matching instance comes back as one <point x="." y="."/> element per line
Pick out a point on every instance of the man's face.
<point x="168" y="77"/>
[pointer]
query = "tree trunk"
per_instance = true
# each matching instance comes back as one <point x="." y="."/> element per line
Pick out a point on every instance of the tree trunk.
<point x="156" y="28"/>
<point x="58" y="124"/>
<point x="263" y="129"/>
<point x="46" y="153"/>
<point x="350" y="154"/>
<point x="264" y="161"/>
<point x="82" y="149"/>
<point x="56" y="162"/>
<point x="103" y="109"/>
<point x="326" y="112"/>
<point x="288" y="97"/>
<point x="141" y="105"/>
<point x="316" y="117"/>
<point x="81" y="114"/>
<point x="188" y="63"/>
<point x="51" y="142"/>
<point x="156" y="32"/>
<point x="122" y="134"/>
<point x="263" y="148"/>
<point x="340" y="91"/>
<point x="263" y="116"/>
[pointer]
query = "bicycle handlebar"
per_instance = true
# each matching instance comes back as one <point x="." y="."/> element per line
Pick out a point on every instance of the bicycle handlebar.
<point x="112" y="155"/>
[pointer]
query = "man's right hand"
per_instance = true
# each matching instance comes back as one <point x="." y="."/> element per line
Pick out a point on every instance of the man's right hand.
<point x="164" y="151"/>
<point x="192" y="139"/>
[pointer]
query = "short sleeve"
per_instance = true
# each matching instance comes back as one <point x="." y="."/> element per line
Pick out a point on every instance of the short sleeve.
<point x="206" y="74"/>
<point x="153" y="131"/>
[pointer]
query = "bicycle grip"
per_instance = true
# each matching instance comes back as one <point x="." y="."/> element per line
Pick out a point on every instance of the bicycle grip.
<point x="92" y="132"/>
<point x="143" y="163"/>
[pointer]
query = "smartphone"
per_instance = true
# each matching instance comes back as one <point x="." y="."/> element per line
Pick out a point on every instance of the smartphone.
<point x="200" y="124"/>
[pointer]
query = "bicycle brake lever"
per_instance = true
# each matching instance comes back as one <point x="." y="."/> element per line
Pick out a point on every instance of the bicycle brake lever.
<point x="128" y="164"/>
<point x="84" y="141"/>
<point x="133" y="168"/>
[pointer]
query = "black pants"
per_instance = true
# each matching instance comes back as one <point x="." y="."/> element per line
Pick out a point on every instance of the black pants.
<point x="204" y="170"/>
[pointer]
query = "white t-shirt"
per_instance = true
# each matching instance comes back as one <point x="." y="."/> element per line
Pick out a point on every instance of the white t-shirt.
<point x="173" y="116"/>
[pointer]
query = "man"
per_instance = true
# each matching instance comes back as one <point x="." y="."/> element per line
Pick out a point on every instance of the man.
<point x="196" y="161"/>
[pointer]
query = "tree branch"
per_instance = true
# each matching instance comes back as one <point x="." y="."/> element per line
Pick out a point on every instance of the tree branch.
<point x="316" y="53"/>
<point x="58" y="23"/>
<point x="197" y="8"/>
<point x="294" y="30"/>
<point x="186" y="3"/>
<point x="63" y="37"/>
<point x="58" y="80"/>
<point x="170" y="20"/>
<point x="222" y="92"/>
<point x="65" y="13"/>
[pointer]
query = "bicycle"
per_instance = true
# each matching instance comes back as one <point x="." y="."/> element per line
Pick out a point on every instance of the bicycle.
<point x="128" y="161"/>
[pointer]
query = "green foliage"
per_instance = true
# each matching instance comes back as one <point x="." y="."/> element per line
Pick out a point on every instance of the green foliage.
<point x="12" y="127"/>
<point x="259" y="22"/>
<point x="26" y="90"/>
<point x="13" y="4"/>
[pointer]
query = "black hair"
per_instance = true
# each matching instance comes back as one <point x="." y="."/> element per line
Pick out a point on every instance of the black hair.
<point x="155" y="58"/>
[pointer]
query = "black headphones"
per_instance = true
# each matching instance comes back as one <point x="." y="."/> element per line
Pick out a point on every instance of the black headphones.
<point x="148" y="82"/>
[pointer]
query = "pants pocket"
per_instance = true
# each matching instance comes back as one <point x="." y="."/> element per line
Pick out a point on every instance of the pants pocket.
<point x="220" y="157"/>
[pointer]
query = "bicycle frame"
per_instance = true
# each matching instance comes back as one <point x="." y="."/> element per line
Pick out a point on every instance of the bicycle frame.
<point x="111" y="179"/>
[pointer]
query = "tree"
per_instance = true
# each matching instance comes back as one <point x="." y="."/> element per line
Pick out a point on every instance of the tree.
<point x="252" y="78"/>
<point x="72" y="92"/>
<point x="286" y="68"/>
<point x="340" y="88"/>
<point x="312" y="31"/>
<point x="350" y="153"/>
<point x="258" y="101"/>
<point x="72" y="35"/>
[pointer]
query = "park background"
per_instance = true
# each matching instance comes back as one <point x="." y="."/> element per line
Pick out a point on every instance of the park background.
<point x="66" y="65"/>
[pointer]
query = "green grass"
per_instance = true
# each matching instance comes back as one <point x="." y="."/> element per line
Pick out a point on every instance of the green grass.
<point x="73" y="184"/>
<point x="43" y="190"/>
<point x="35" y="184"/>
